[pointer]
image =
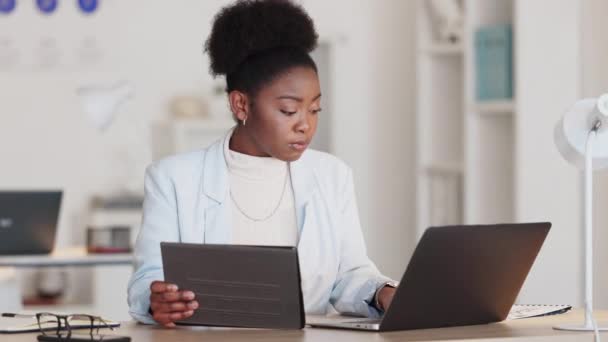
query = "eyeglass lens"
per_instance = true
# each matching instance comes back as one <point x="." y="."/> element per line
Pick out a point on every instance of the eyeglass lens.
<point x="58" y="322"/>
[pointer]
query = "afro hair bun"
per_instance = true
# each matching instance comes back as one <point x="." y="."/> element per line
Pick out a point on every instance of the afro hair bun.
<point x="248" y="27"/>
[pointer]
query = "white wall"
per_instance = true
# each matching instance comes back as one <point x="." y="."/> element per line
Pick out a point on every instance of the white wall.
<point x="374" y="117"/>
<point x="45" y="141"/>
<point x="392" y="137"/>
<point x="548" y="189"/>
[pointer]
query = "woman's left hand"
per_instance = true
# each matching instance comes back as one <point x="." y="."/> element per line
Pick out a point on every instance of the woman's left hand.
<point x="385" y="297"/>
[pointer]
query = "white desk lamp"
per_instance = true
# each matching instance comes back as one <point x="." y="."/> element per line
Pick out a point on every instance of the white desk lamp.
<point x="581" y="137"/>
<point x="101" y="103"/>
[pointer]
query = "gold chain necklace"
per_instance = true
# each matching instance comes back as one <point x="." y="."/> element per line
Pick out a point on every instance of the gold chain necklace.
<point x="276" y="208"/>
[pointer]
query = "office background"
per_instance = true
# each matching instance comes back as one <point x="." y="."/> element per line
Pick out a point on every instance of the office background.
<point x="47" y="142"/>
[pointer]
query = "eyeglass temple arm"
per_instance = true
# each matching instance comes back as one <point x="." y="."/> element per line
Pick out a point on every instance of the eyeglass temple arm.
<point x="105" y="323"/>
<point x="16" y="315"/>
<point x="93" y="320"/>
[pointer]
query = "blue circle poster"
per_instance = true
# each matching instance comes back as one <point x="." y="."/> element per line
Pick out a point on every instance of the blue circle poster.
<point x="7" y="6"/>
<point x="88" y="6"/>
<point x="47" y="6"/>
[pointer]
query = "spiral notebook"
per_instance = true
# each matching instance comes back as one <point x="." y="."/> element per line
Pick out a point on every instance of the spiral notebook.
<point x="519" y="311"/>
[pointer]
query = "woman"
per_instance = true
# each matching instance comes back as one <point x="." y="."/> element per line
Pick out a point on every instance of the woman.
<point x="260" y="185"/>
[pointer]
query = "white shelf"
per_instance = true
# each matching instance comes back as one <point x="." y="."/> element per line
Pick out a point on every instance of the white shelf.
<point x="210" y="125"/>
<point x="443" y="49"/>
<point x="183" y="135"/>
<point x="462" y="158"/>
<point x="500" y="107"/>
<point x="503" y="179"/>
<point x="444" y="168"/>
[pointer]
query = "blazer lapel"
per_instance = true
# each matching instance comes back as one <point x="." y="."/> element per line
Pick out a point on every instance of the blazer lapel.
<point x="215" y="185"/>
<point x="304" y="186"/>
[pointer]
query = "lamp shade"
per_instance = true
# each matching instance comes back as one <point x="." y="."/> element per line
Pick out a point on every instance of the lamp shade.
<point x="100" y="103"/>
<point x="572" y="130"/>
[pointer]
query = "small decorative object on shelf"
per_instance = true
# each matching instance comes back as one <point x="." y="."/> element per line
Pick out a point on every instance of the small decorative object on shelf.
<point x="113" y="223"/>
<point x="188" y="107"/>
<point x="112" y="239"/>
<point x="494" y="62"/>
<point x="88" y="6"/>
<point x="50" y="286"/>
<point x="125" y="201"/>
<point x="449" y="20"/>
<point x="7" y="6"/>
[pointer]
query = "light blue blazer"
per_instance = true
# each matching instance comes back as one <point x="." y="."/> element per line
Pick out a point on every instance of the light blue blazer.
<point x="186" y="200"/>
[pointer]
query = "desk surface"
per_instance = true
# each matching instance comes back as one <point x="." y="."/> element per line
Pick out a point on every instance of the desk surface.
<point x="531" y="329"/>
<point x="76" y="256"/>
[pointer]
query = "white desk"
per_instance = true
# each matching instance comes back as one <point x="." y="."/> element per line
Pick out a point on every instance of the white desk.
<point x="76" y="256"/>
<point x="109" y="283"/>
<point x="525" y="330"/>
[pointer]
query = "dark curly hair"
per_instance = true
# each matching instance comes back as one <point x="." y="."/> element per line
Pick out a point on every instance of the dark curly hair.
<point x="254" y="41"/>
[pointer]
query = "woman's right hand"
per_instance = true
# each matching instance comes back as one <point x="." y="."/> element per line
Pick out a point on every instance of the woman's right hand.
<point x="168" y="304"/>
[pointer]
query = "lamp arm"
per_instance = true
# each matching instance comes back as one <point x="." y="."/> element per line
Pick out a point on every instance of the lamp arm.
<point x="589" y="320"/>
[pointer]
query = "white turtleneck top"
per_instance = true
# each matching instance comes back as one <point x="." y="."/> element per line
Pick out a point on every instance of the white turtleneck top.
<point x="261" y="199"/>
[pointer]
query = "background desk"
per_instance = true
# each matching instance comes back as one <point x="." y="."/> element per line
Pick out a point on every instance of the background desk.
<point x="109" y="281"/>
<point x="532" y="329"/>
<point x="76" y="256"/>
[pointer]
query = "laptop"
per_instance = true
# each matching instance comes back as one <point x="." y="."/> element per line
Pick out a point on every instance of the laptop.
<point x="28" y="221"/>
<point x="236" y="285"/>
<point x="459" y="275"/>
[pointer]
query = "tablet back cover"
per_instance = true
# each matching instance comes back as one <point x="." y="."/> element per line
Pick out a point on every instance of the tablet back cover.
<point x="238" y="286"/>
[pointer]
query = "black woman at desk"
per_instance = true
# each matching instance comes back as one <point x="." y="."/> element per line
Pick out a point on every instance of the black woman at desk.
<point x="260" y="184"/>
